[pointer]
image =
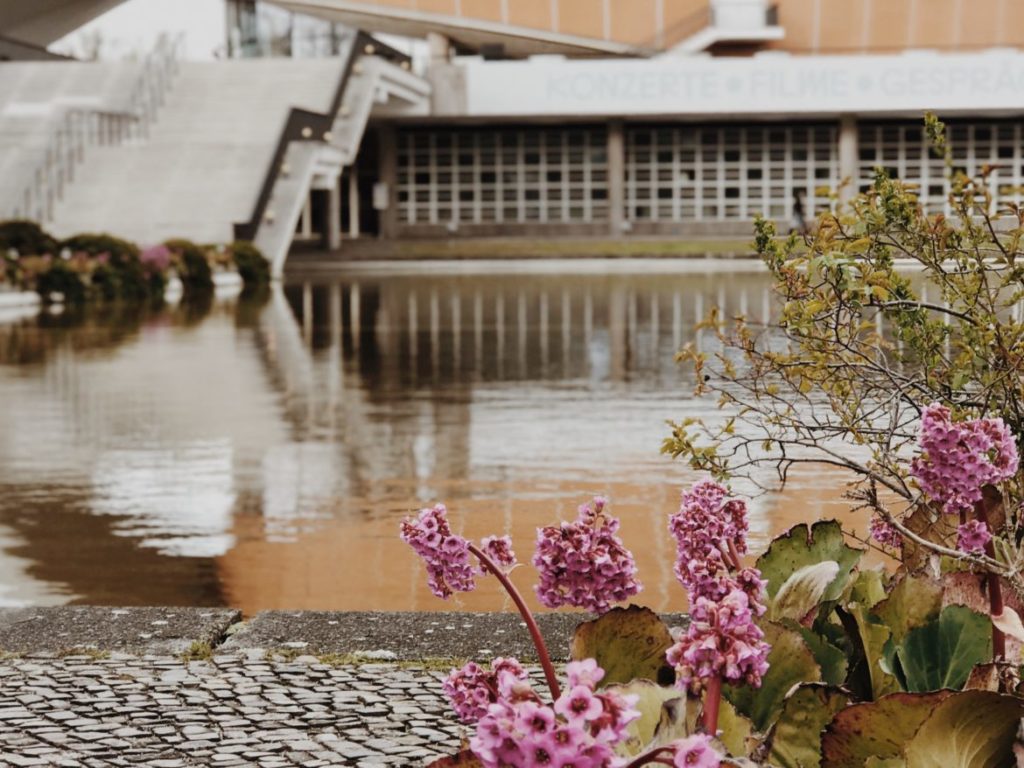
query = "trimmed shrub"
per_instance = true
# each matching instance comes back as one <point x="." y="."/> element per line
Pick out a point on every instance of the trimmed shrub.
<point x="251" y="264"/>
<point x="61" y="278"/>
<point x="27" y="238"/>
<point x="120" y="273"/>
<point x="192" y="265"/>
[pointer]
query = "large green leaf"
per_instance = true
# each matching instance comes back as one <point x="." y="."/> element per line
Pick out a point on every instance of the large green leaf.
<point x="885" y="762"/>
<point x="913" y="602"/>
<point x="628" y="644"/>
<point x="790" y="662"/>
<point x="878" y="729"/>
<point x="662" y="715"/>
<point x="795" y="741"/>
<point x="866" y="588"/>
<point x="869" y="676"/>
<point x="942" y="653"/>
<point x="735" y="731"/>
<point x="803" y="591"/>
<point x="973" y="729"/>
<point x="800" y="547"/>
<point x="830" y="658"/>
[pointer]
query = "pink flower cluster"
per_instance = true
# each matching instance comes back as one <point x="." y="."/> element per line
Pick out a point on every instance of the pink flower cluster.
<point x="156" y="258"/>
<point x="959" y="459"/>
<point x="499" y="549"/>
<point x="472" y="689"/>
<point x="885" y="533"/>
<point x="696" y="752"/>
<point x="972" y="537"/>
<point x="581" y="729"/>
<point x="445" y="554"/>
<point x="722" y="641"/>
<point x="584" y="563"/>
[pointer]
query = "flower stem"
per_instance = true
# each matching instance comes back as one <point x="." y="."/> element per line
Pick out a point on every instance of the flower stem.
<point x="712" y="700"/>
<point x="652" y="756"/>
<point x="995" y="590"/>
<point x="531" y="623"/>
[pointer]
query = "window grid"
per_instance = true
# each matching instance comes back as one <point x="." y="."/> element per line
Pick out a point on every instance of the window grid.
<point x="719" y="173"/>
<point x="903" y="151"/>
<point x="502" y="176"/>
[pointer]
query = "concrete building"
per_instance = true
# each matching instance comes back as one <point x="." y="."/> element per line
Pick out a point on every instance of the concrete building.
<point x="571" y="117"/>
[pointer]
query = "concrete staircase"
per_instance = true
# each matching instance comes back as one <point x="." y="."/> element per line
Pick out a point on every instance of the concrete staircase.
<point x="205" y="157"/>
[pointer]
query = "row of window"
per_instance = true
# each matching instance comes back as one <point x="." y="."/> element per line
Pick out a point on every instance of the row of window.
<point x="677" y="173"/>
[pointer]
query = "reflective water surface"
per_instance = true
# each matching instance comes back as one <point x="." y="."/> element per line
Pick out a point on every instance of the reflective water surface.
<point x="261" y="454"/>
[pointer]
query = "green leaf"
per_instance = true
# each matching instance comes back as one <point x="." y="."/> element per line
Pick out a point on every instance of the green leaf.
<point x="942" y="653"/>
<point x="878" y="729"/>
<point x="867" y="588"/>
<point x="795" y="741"/>
<point x="800" y="547"/>
<point x="662" y="715"/>
<point x="628" y="644"/>
<point x="971" y="728"/>
<point x="830" y="658"/>
<point x="736" y="730"/>
<point x="802" y="591"/>
<point x="790" y="662"/>
<point x="914" y="602"/>
<point x="886" y="762"/>
<point x="869" y="675"/>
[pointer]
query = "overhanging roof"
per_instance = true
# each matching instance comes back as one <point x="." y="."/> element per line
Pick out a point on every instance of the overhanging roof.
<point x="472" y="34"/>
<point x="41" y="22"/>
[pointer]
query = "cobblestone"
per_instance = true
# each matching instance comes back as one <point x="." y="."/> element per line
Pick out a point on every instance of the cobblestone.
<point x="237" y="709"/>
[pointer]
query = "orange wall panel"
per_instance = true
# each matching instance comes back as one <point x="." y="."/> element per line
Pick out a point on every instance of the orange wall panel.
<point x="635" y="22"/>
<point x="446" y="7"/>
<point x="797" y="17"/>
<point x="934" y="24"/>
<point x="535" y="14"/>
<point x="581" y="17"/>
<point x="841" y="27"/>
<point x="888" y="22"/>
<point x="484" y="10"/>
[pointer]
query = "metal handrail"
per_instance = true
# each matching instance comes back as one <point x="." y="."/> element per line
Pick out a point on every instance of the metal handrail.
<point x="306" y="125"/>
<point x="78" y="128"/>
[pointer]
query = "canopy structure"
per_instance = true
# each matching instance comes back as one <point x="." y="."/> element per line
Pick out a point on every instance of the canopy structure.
<point x="42" y="22"/>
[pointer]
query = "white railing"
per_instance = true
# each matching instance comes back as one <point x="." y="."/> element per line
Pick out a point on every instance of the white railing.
<point x="76" y="128"/>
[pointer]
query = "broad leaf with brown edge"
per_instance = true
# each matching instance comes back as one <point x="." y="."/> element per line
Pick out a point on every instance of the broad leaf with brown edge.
<point x="879" y="729"/>
<point x="628" y="644"/>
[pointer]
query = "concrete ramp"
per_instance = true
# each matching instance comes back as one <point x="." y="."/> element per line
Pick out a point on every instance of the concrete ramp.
<point x="202" y="165"/>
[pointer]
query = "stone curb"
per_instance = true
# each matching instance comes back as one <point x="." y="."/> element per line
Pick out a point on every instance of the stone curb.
<point x="56" y="631"/>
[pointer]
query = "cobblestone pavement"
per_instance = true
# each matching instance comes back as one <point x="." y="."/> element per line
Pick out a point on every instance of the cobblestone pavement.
<point x="233" y="710"/>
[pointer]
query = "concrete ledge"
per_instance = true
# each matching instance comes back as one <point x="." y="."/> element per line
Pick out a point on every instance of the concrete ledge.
<point x="69" y="629"/>
<point x="408" y="636"/>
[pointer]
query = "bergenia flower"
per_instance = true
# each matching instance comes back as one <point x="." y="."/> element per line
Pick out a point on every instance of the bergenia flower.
<point x="972" y="537"/>
<point x="695" y="752"/>
<point x="499" y="549"/>
<point x="581" y="729"/>
<point x="958" y="459"/>
<point x="445" y="554"/>
<point x="721" y="641"/>
<point x="584" y="563"/>
<point x="885" y="533"/>
<point x="471" y="689"/>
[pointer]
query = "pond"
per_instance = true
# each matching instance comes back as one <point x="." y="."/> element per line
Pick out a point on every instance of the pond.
<point x="261" y="454"/>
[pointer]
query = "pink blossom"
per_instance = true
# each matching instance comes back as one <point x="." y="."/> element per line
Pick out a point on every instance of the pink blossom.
<point x="584" y="563"/>
<point x="471" y="689"/>
<point x="695" y="752"/>
<point x="445" y="554"/>
<point x="885" y="533"/>
<point x="580" y="730"/>
<point x="958" y="459"/>
<point x="711" y="534"/>
<point x="972" y="537"/>
<point x="722" y="641"/>
<point x="499" y="549"/>
<point x="156" y="258"/>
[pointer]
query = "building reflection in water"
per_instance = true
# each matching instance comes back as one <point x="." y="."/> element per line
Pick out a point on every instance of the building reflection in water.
<point x="263" y="456"/>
